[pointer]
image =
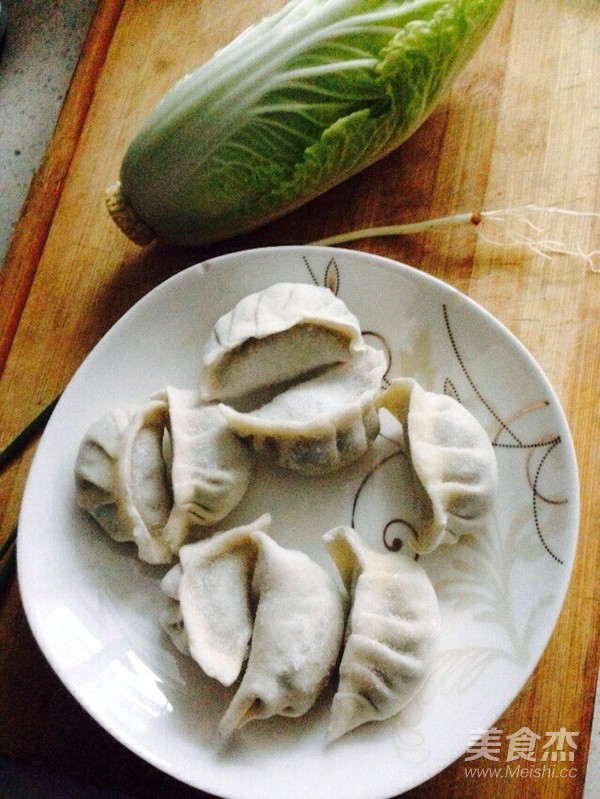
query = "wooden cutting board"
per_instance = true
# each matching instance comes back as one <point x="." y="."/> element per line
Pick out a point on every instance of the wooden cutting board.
<point x="521" y="126"/>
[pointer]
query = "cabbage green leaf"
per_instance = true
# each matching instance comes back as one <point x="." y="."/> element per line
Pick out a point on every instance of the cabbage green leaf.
<point x="293" y="106"/>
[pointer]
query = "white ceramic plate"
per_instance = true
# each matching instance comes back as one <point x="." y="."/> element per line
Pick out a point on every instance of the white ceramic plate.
<point x="93" y="606"/>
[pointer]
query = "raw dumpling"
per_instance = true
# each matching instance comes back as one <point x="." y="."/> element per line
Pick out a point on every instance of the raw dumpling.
<point x="211" y="467"/>
<point x="318" y="425"/>
<point x="211" y="618"/>
<point x="241" y="589"/>
<point x="452" y="460"/>
<point x="391" y="635"/>
<point x="156" y="489"/>
<point x="121" y="477"/>
<point x="276" y="335"/>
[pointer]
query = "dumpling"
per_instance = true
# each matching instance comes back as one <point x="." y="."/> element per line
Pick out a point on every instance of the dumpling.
<point x="160" y="490"/>
<point x="279" y="334"/>
<point x="211" y="467"/>
<point x="242" y="595"/>
<point x="318" y="425"/>
<point x="391" y="635"/>
<point x="210" y="618"/>
<point x="298" y="629"/>
<point x="452" y="461"/>
<point x="121" y="477"/>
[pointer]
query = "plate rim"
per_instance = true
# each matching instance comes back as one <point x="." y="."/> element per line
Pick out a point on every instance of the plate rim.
<point x="227" y="261"/>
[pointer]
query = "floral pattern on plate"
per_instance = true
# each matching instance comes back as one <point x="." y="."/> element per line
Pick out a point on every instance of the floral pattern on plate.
<point x="92" y="606"/>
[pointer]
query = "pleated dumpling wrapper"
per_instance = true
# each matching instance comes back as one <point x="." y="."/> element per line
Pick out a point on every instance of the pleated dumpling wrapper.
<point x="391" y="636"/>
<point x="318" y="425"/>
<point x="121" y="477"/>
<point x="160" y="490"/>
<point x="279" y="334"/>
<point x="244" y="604"/>
<point x="211" y="468"/>
<point x="452" y="462"/>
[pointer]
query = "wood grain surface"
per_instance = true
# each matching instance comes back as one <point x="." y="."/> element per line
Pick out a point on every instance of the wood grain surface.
<point x="521" y="126"/>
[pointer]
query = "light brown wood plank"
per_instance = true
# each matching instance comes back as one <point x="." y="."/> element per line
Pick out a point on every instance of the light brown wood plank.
<point x="520" y="126"/>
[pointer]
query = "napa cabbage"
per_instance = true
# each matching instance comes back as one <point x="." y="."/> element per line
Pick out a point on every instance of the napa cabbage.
<point x="290" y="108"/>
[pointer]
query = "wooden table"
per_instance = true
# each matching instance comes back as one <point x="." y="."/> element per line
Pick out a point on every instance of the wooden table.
<point x="521" y="126"/>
